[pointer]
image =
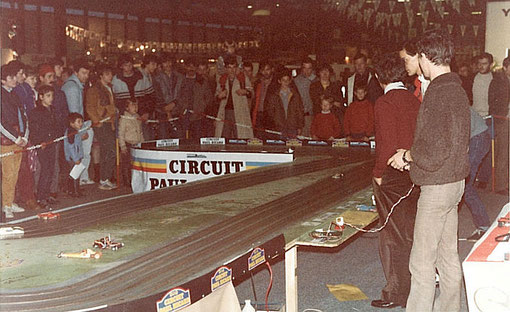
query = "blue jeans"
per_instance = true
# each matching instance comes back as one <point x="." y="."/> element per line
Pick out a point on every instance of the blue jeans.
<point x="485" y="167"/>
<point x="478" y="148"/>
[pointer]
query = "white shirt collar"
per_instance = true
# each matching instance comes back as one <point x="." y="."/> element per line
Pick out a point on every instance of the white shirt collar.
<point x="394" y="86"/>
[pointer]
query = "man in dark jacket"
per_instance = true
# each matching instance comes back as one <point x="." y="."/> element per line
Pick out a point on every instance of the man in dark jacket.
<point x="499" y="102"/>
<point x="284" y="108"/>
<point x="439" y="163"/>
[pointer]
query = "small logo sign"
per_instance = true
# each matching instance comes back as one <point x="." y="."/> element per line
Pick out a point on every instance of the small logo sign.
<point x="256" y="258"/>
<point x="312" y="142"/>
<point x="174" y="300"/>
<point x="237" y="141"/>
<point x="359" y="143"/>
<point x="212" y="141"/>
<point x="222" y="276"/>
<point x="294" y="142"/>
<point x="372" y="144"/>
<point x="275" y="142"/>
<point x="255" y="141"/>
<point x="167" y="142"/>
<point x="340" y="143"/>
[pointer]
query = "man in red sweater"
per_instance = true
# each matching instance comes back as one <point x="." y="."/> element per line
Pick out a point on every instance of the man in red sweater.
<point x="359" y="117"/>
<point x="395" y="122"/>
<point x="325" y="126"/>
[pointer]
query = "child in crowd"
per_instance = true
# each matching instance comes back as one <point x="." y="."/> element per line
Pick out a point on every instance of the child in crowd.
<point x="130" y="133"/>
<point x="325" y="126"/>
<point x="26" y="91"/>
<point x="73" y="150"/>
<point x="359" y="117"/>
<point x="43" y="129"/>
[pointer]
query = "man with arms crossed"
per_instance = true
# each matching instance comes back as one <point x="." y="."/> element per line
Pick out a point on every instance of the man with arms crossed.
<point x="438" y="162"/>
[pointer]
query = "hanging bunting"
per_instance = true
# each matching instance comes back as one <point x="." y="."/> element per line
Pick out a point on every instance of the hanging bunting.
<point x="456" y="5"/>
<point x="472" y="3"/>
<point x="359" y="18"/>
<point x="422" y="6"/>
<point x="450" y="28"/>
<point x="379" y="18"/>
<point x="352" y="10"/>
<point x="440" y="10"/>
<point x="425" y="16"/>
<point x="361" y="3"/>
<point x="475" y="30"/>
<point x="433" y="4"/>
<point x="437" y="26"/>
<point x="424" y="25"/>
<point x="410" y="19"/>
<point x="376" y="4"/>
<point x="387" y="18"/>
<point x="463" y="30"/>
<point x="397" y="19"/>
<point x="407" y="6"/>
<point x="392" y="4"/>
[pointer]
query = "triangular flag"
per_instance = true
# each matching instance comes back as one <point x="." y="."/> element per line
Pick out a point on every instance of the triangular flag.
<point x="475" y="30"/>
<point x="450" y="28"/>
<point x="425" y="16"/>
<point x="392" y="4"/>
<point x="462" y="29"/>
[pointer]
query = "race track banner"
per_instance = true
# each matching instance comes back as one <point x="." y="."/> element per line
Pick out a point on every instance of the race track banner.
<point x="157" y="169"/>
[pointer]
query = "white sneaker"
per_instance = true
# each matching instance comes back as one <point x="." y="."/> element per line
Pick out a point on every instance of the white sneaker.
<point x="8" y="212"/>
<point x="110" y="184"/>
<point x="86" y="182"/>
<point x="16" y="208"/>
<point x="104" y="185"/>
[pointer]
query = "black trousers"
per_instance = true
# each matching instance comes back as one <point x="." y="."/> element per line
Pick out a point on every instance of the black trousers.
<point x="47" y="160"/>
<point x="396" y="239"/>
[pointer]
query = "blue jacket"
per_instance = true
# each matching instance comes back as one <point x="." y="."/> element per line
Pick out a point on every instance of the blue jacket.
<point x="73" y="152"/>
<point x="73" y="89"/>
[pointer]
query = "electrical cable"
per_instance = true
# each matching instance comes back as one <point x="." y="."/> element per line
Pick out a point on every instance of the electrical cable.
<point x="387" y="217"/>
<point x="270" y="284"/>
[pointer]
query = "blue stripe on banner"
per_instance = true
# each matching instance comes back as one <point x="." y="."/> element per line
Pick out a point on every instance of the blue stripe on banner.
<point x="258" y="163"/>
<point x="150" y="161"/>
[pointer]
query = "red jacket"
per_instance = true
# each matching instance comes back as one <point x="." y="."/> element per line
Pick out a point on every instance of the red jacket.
<point x="395" y="122"/>
<point x="359" y="118"/>
<point x="325" y="126"/>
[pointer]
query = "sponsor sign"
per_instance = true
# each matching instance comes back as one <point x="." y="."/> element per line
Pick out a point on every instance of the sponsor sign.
<point x="256" y="258"/>
<point x="255" y="141"/>
<point x="174" y="300"/>
<point x="212" y="141"/>
<point x="222" y="276"/>
<point x="167" y="142"/>
<point x="158" y="169"/>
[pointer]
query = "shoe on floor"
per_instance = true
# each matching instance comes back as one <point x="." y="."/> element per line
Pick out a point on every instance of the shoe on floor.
<point x="8" y="212"/>
<point x="105" y="185"/>
<point x="384" y="304"/>
<point x="86" y="182"/>
<point x="477" y="234"/>
<point x="16" y="208"/>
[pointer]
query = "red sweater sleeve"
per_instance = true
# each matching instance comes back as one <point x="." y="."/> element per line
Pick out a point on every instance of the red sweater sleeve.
<point x="386" y="134"/>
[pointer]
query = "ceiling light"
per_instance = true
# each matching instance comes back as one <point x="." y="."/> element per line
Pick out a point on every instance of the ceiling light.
<point x="250" y="6"/>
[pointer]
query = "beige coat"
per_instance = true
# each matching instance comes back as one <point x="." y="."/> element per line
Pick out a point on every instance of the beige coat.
<point x="130" y="130"/>
<point x="241" y="111"/>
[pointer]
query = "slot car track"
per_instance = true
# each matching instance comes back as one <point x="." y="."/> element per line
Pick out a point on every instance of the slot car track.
<point x="112" y="209"/>
<point x="127" y="285"/>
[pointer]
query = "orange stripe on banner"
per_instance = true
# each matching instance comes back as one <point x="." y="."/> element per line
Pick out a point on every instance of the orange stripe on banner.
<point x="489" y="244"/>
<point x="146" y="169"/>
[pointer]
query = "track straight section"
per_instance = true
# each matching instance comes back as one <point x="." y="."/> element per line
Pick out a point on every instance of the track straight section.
<point x="111" y="210"/>
<point x="202" y="251"/>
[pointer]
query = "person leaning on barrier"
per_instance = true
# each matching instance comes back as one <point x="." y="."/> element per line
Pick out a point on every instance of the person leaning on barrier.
<point x="14" y="136"/>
